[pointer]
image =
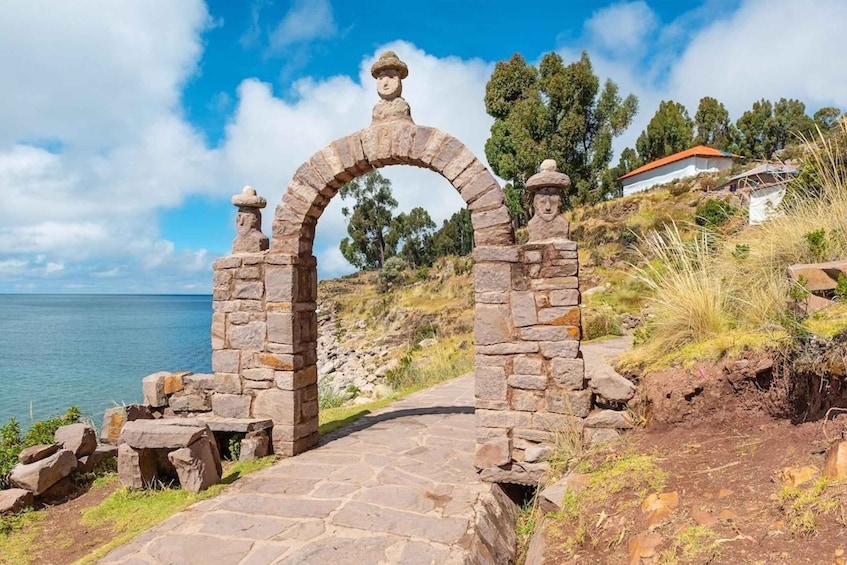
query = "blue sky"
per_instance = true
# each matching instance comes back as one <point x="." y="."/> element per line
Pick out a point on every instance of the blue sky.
<point x="125" y="127"/>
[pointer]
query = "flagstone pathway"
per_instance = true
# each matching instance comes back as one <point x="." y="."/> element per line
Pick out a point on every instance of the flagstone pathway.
<point x="397" y="486"/>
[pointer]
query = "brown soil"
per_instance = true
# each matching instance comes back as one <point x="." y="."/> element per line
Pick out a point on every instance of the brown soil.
<point x="729" y="437"/>
<point x="63" y="538"/>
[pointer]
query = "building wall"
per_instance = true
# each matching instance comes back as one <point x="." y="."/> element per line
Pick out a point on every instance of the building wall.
<point x="763" y="203"/>
<point x="681" y="169"/>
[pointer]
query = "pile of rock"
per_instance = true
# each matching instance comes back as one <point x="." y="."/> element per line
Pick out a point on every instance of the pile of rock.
<point x="820" y="281"/>
<point x="609" y="416"/>
<point x="44" y="472"/>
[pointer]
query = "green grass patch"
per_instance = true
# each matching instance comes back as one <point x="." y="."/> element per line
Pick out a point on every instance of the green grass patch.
<point x="803" y="505"/>
<point x="828" y="323"/>
<point x="17" y="536"/>
<point x="130" y="512"/>
<point x="697" y="544"/>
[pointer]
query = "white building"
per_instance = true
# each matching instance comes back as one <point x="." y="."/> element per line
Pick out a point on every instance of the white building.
<point x="764" y="187"/>
<point x="688" y="163"/>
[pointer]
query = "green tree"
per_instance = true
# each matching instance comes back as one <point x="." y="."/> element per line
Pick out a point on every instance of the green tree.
<point x="559" y="112"/>
<point x="756" y="129"/>
<point x="669" y="131"/>
<point x="369" y="221"/>
<point x="827" y="117"/>
<point x="713" y="125"/>
<point x="790" y="122"/>
<point x="455" y="237"/>
<point x="414" y="231"/>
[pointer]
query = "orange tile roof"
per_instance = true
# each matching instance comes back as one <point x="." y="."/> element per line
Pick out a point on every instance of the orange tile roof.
<point x="698" y="151"/>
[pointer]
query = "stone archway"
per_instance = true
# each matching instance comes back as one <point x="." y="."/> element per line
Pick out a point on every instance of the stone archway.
<point x="528" y="369"/>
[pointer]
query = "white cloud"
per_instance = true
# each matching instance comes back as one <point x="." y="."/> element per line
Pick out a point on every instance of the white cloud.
<point x="622" y="28"/>
<point x="305" y="21"/>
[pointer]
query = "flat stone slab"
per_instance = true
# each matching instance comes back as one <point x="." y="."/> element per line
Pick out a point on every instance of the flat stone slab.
<point x="161" y="434"/>
<point x="240" y="425"/>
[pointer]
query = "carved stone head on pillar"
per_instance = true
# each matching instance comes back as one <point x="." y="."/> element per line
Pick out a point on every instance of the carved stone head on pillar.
<point x="389" y="72"/>
<point x="546" y="188"/>
<point x="248" y="222"/>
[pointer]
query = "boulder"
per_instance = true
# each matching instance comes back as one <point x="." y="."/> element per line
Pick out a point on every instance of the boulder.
<point x="79" y="438"/>
<point x="190" y="402"/>
<point x="254" y="446"/>
<point x="608" y="419"/>
<point x="37" y="453"/>
<point x="136" y="467"/>
<point x="836" y="462"/>
<point x="115" y="418"/>
<point x="63" y="490"/>
<point x="14" y="500"/>
<point x="39" y="476"/>
<point x="166" y="433"/>
<point x="196" y="466"/>
<point x="606" y="382"/>
<point x="89" y="463"/>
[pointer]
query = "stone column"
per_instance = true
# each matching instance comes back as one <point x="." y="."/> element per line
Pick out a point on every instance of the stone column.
<point x="529" y="372"/>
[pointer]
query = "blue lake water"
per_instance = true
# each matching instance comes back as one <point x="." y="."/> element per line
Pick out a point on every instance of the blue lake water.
<point x="93" y="350"/>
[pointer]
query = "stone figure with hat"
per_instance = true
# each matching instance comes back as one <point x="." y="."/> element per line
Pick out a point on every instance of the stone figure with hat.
<point x="389" y="72"/>
<point x="546" y="187"/>
<point x="248" y="222"/>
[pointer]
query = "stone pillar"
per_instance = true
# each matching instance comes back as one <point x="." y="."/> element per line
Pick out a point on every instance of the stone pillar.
<point x="530" y="376"/>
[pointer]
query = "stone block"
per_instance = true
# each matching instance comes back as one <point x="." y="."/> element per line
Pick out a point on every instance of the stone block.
<point x="295" y="380"/>
<point x="14" y="500"/>
<point x="153" y="387"/>
<point x="136" y="468"/>
<point x="508" y="348"/>
<point x="528" y="365"/>
<point x="491" y="297"/>
<point x="526" y="400"/>
<point x="556" y="283"/>
<point x="196" y="466"/>
<point x="568" y="349"/>
<point x="248" y="290"/>
<point x="491" y="404"/>
<point x="568" y="373"/>
<point x="280" y="361"/>
<point x="458" y="164"/>
<point x="281" y="283"/>
<point x="495" y="254"/>
<point x="503" y="419"/>
<point x="254" y="447"/>
<point x="493" y="453"/>
<point x="474" y="188"/>
<point x="536" y="436"/>
<point x="490" y="218"/>
<point x="283" y="329"/>
<point x="495" y="235"/>
<point x="252" y="272"/>
<point x="835" y="466"/>
<point x="557" y="423"/>
<point x="226" y="361"/>
<point x="608" y="419"/>
<point x="114" y="419"/>
<point x="248" y="386"/>
<point x="39" y="476"/>
<point x="492" y="324"/>
<point x="528" y="382"/>
<point x="490" y="383"/>
<point x="261" y="374"/>
<point x="231" y="405"/>
<point x="199" y="382"/>
<point x="523" y="309"/>
<point x="606" y="382"/>
<point x="170" y="433"/>
<point x="537" y="453"/>
<point x="227" y="383"/>
<point x="549" y="333"/>
<point x="276" y="404"/>
<point x="570" y="403"/>
<point x="37" y="453"/>
<point x="492" y="277"/>
<point x="568" y="297"/>
<point x="560" y="316"/>
<point x="594" y="436"/>
<point x="80" y="439"/>
<point x="249" y="336"/>
<point x="191" y="402"/>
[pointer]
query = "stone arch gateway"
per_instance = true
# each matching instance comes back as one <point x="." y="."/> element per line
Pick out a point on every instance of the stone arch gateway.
<point x="528" y="369"/>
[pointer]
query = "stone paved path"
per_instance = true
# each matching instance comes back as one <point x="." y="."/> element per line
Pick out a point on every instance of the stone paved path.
<point x="397" y="486"/>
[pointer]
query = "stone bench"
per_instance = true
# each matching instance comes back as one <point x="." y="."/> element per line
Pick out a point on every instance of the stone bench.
<point x="255" y="434"/>
<point x="167" y="449"/>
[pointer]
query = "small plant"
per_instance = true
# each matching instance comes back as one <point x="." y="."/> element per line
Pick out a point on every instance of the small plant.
<point x="392" y="273"/>
<point x="741" y="251"/>
<point x="818" y="247"/>
<point x="353" y="390"/>
<point x="841" y="287"/>
<point x="713" y="213"/>
<point x="601" y="322"/>
<point x="328" y="397"/>
<point x="234" y="446"/>
<point x="798" y="291"/>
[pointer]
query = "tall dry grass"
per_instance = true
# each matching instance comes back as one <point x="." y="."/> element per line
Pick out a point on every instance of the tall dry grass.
<point x="708" y="284"/>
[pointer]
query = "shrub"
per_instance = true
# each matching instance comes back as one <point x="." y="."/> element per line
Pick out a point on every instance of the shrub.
<point x="841" y="287"/>
<point x="816" y="241"/>
<point x="392" y="272"/>
<point x="713" y="213"/>
<point x="328" y="397"/>
<point x="600" y="322"/>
